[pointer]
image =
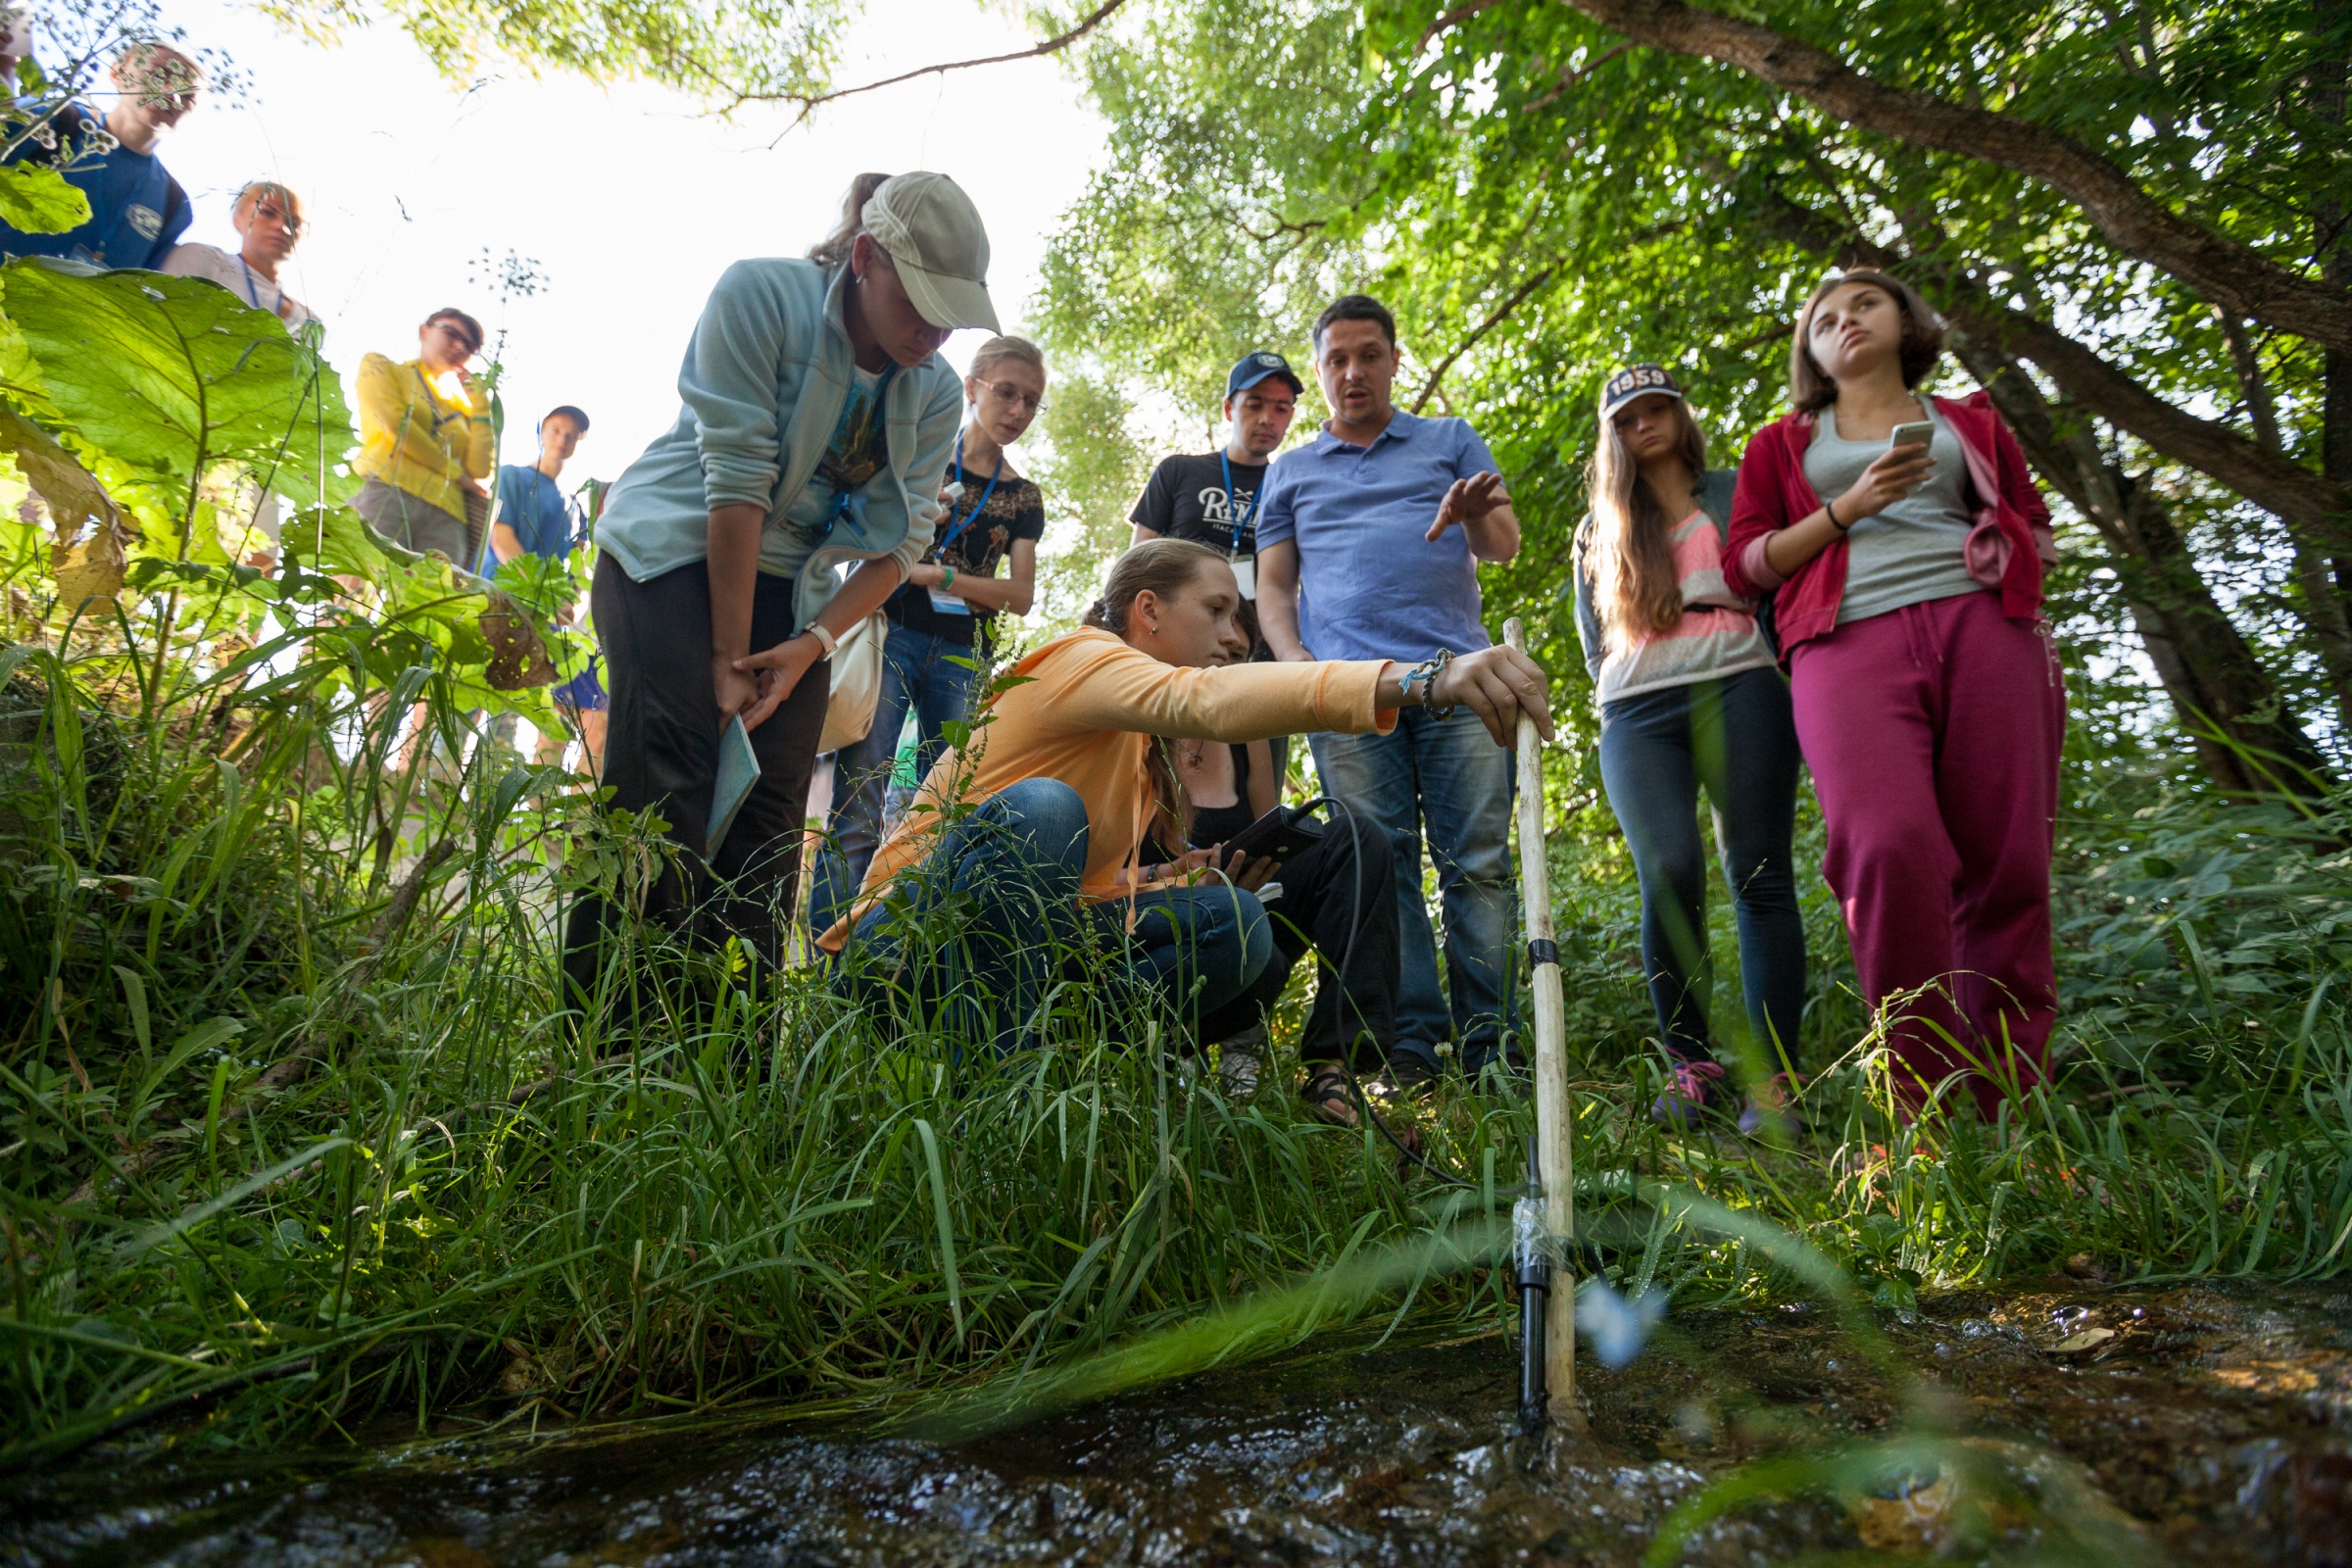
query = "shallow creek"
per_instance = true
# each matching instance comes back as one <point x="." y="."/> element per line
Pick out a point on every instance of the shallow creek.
<point x="2210" y="1422"/>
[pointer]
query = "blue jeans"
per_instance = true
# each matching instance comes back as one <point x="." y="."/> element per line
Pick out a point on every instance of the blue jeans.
<point x="982" y="930"/>
<point x="1736" y="738"/>
<point x="915" y="673"/>
<point x="1445" y="777"/>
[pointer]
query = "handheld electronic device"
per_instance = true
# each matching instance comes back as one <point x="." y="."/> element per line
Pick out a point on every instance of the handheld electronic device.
<point x="1277" y="835"/>
<point x="1914" y="433"/>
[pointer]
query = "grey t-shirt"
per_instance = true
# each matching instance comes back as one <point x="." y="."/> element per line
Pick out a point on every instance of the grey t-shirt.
<point x="1913" y="551"/>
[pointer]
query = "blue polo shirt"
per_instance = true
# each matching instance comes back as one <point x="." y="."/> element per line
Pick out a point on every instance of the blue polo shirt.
<point x="530" y="503"/>
<point x="1370" y="586"/>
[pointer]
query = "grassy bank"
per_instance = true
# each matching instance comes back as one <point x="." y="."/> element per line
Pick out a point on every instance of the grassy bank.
<point x="298" y="1145"/>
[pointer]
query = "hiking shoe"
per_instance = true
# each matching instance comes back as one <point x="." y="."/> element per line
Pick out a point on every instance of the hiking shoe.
<point x="1691" y="1086"/>
<point x="1767" y="1101"/>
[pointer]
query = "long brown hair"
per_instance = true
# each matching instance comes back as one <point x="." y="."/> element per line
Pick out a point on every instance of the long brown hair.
<point x="1812" y="388"/>
<point x="1165" y="567"/>
<point x="834" y="249"/>
<point x="1635" y="590"/>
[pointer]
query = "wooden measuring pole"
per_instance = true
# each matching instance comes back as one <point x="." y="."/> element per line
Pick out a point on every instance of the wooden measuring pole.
<point x="1553" y="1112"/>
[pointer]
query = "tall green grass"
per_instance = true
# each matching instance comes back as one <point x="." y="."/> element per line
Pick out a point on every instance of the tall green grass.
<point x="296" y="1142"/>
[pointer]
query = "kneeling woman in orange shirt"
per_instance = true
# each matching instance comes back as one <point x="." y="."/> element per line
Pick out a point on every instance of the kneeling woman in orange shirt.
<point x="1025" y="845"/>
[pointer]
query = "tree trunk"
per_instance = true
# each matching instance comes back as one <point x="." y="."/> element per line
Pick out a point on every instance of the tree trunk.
<point x="2226" y="703"/>
<point x="2329" y="101"/>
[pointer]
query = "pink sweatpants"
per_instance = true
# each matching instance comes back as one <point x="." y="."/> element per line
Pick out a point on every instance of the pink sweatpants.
<point x="1934" y="735"/>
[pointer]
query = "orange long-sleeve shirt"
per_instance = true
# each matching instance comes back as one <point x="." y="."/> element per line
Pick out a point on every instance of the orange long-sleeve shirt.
<point x="1083" y="712"/>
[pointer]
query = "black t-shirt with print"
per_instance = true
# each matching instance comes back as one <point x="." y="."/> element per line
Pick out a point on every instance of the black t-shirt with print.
<point x="1017" y="511"/>
<point x="1186" y="499"/>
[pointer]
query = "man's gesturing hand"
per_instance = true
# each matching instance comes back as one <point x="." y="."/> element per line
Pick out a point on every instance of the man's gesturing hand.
<point x="1469" y="501"/>
<point x="1498" y="684"/>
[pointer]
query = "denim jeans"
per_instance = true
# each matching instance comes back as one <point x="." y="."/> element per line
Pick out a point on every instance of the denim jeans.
<point x="1444" y="777"/>
<point x="917" y="673"/>
<point x="980" y="930"/>
<point x="1736" y="738"/>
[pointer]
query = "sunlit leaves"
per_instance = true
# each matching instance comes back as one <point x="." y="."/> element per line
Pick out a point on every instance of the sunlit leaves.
<point x="171" y="375"/>
<point x="35" y="199"/>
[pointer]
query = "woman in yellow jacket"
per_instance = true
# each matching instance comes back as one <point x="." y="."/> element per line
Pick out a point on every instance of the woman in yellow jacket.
<point x="424" y="439"/>
<point x="971" y="913"/>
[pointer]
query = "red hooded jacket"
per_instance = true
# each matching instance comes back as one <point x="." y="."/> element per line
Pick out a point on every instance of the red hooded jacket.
<point x="1773" y="494"/>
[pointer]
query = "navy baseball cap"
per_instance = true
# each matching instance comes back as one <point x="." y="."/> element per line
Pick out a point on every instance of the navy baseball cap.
<point x="1260" y="366"/>
<point x="1636" y="381"/>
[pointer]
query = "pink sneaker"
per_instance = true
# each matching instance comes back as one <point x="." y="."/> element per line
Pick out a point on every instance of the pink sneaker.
<point x="1767" y="1099"/>
<point x="1691" y="1088"/>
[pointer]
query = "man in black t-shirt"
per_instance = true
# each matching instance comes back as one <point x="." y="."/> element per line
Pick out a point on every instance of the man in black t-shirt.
<point x="1213" y="498"/>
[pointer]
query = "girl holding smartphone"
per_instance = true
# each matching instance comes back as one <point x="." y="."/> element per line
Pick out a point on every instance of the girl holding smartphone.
<point x="1907" y="579"/>
<point x="1689" y="695"/>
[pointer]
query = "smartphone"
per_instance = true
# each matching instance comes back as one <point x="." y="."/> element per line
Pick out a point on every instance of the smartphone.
<point x="1916" y="433"/>
<point x="1279" y="834"/>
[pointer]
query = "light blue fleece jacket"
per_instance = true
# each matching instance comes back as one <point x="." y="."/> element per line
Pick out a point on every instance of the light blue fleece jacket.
<point x="765" y="376"/>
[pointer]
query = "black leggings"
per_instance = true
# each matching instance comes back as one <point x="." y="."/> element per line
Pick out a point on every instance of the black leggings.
<point x="662" y="750"/>
<point x="1337" y="898"/>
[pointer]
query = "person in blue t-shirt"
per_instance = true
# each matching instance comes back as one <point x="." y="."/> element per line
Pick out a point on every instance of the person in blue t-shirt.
<point x="1369" y="540"/>
<point x="137" y="210"/>
<point x="535" y="517"/>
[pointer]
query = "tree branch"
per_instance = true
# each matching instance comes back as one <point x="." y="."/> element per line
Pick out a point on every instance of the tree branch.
<point x="810" y="102"/>
<point x="2234" y="277"/>
<point x="1429" y="388"/>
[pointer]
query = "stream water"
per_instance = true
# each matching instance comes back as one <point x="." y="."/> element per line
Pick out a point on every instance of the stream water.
<point x="2209" y="1423"/>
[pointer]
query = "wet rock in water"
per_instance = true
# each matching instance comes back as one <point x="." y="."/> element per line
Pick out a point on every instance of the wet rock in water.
<point x="2210" y="1424"/>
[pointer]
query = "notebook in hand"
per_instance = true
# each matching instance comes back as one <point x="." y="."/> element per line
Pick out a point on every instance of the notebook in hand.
<point x="738" y="771"/>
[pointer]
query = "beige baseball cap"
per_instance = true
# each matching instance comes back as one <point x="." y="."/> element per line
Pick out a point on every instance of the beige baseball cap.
<point x="932" y="232"/>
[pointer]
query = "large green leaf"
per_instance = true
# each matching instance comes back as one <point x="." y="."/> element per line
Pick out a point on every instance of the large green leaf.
<point x="35" y="199"/>
<point x="171" y="375"/>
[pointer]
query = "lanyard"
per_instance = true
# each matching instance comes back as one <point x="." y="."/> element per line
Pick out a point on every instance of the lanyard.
<point x="824" y="530"/>
<point x="253" y="290"/>
<point x="432" y="403"/>
<point x="1241" y="519"/>
<point x="953" y="533"/>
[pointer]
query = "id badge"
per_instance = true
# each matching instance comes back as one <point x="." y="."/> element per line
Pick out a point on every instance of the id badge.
<point x="1245" y="572"/>
<point x="945" y="603"/>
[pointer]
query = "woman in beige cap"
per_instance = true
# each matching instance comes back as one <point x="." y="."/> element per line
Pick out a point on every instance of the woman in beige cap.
<point x="818" y="419"/>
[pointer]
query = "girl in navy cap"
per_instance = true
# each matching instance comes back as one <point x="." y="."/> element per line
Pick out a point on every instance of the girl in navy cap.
<point x="1689" y="695"/>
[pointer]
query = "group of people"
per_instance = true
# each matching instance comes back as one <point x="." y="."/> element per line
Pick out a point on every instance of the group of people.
<point x="428" y="451"/>
<point x="1861" y="594"/>
<point x="828" y="467"/>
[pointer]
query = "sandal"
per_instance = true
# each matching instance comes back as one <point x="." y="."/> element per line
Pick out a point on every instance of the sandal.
<point x="1328" y="1096"/>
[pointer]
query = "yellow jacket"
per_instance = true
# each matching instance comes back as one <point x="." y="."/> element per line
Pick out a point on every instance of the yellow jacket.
<point x="1085" y="713"/>
<point x="414" y="439"/>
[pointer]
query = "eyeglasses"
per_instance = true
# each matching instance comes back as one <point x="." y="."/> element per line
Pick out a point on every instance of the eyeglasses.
<point x="1006" y="392"/>
<point x="286" y="220"/>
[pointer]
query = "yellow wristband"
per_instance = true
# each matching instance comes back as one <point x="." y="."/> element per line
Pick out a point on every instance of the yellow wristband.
<point x="824" y="639"/>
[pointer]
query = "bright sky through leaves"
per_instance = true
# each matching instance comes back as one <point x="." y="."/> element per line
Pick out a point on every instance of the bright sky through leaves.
<point x="630" y="200"/>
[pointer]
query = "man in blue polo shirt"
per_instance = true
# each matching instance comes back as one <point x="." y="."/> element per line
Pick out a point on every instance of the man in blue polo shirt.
<point x="1368" y="546"/>
<point x="535" y="517"/>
